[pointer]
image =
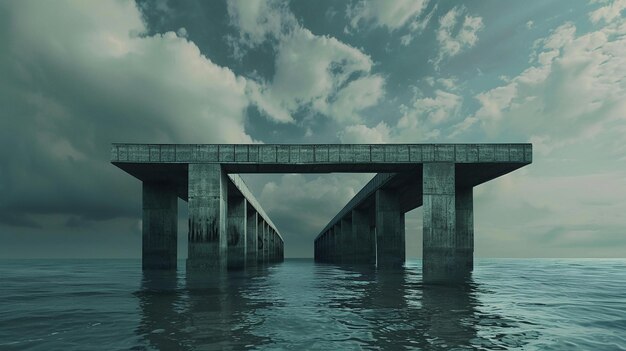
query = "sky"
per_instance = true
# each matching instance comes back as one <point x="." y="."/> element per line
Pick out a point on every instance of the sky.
<point x="76" y="76"/>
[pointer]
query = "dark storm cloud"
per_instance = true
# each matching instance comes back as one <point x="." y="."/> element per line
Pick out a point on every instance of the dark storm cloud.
<point x="73" y="83"/>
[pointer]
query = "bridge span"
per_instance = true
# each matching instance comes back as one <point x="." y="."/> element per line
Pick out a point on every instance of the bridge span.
<point x="229" y="229"/>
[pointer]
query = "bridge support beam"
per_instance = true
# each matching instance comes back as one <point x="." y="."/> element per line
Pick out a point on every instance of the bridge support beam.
<point x="390" y="244"/>
<point x="448" y="225"/>
<point x="159" y="226"/>
<point x="208" y="208"/>
<point x="252" y="224"/>
<point x="237" y="227"/>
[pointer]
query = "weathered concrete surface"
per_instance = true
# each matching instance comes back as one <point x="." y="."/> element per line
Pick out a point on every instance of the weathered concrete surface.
<point x="347" y="241"/>
<point x="159" y="226"/>
<point x="252" y="237"/>
<point x="237" y="236"/>
<point x="323" y="158"/>
<point x="208" y="207"/>
<point x="363" y="244"/>
<point x="440" y="260"/>
<point x="390" y="248"/>
<point x="465" y="228"/>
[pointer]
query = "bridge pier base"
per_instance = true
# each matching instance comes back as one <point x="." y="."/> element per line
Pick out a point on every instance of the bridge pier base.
<point x="159" y="226"/>
<point x="448" y="226"/>
<point x="237" y="226"/>
<point x="208" y="212"/>
<point x="390" y="243"/>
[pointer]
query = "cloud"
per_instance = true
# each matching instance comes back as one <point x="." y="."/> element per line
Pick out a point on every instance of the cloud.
<point x="389" y="14"/>
<point x="361" y="134"/>
<point x="78" y="76"/>
<point x="570" y="104"/>
<point x="312" y="72"/>
<point x="259" y="20"/>
<point x="453" y="41"/>
<point x="608" y="13"/>
<point x="573" y="93"/>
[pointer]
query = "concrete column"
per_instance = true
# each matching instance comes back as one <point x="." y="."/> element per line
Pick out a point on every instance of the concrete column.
<point x="208" y="208"/>
<point x="347" y="241"/>
<point x="389" y="229"/>
<point x="159" y="226"/>
<point x="272" y="246"/>
<point x="337" y="247"/>
<point x="464" y="205"/>
<point x="260" y="235"/>
<point x="237" y="236"/>
<point x="440" y="261"/>
<point x="252" y="235"/>
<point x="266" y="243"/>
<point x="325" y="247"/>
<point x="363" y="245"/>
<point x="374" y="244"/>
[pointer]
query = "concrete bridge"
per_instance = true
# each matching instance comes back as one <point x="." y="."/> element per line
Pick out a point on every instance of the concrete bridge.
<point x="228" y="228"/>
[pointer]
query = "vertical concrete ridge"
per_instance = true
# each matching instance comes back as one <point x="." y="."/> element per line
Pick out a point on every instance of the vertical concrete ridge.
<point x="159" y="226"/>
<point x="208" y="212"/>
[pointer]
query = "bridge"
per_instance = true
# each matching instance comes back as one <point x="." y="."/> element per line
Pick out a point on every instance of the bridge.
<point x="229" y="229"/>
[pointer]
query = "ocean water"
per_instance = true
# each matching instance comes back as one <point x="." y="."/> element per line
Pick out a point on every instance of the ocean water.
<point x="547" y="304"/>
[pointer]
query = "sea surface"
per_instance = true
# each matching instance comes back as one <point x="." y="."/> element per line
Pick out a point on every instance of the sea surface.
<point x="545" y="304"/>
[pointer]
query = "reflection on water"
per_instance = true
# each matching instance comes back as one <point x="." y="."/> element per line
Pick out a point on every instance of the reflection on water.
<point x="312" y="306"/>
<point x="299" y="305"/>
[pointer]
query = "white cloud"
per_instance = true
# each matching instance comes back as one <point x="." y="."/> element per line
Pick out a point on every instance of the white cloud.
<point x="571" y="104"/>
<point x="573" y="93"/>
<point x="422" y="120"/>
<point x="361" y="134"/>
<point x="357" y="96"/>
<point x="608" y="13"/>
<point x="452" y="41"/>
<point x="259" y="20"/>
<point x="390" y="14"/>
<point x="315" y="73"/>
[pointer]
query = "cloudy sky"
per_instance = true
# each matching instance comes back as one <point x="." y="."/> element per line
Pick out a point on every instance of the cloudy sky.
<point x="78" y="75"/>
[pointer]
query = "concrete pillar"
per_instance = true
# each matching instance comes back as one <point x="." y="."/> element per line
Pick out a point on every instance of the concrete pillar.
<point x="464" y="205"/>
<point x="337" y="247"/>
<point x="159" y="226"/>
<point x="252" y="235"/>
<point x="208" y="208"/>
<point x="440" y="257"/>
<point x="363" y="244"/>
<point x="347" y="241"/>
<point x="272" y="246"/>
<point x="237" y="226"/>
<point x="266" y="244"/>
<point x="325" y="247"/>
<point x="389" y="229"/>
<point x="260" y="235"/>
